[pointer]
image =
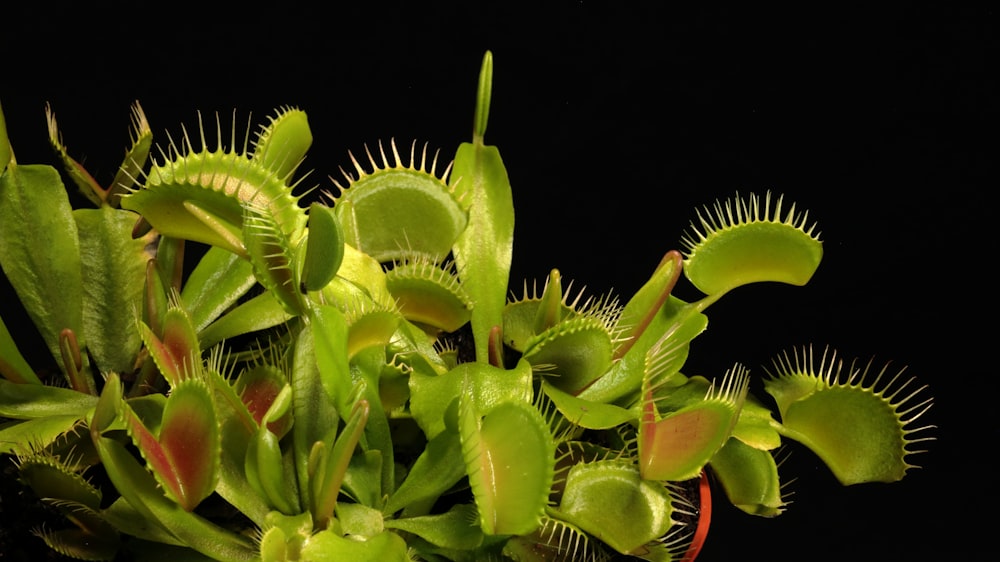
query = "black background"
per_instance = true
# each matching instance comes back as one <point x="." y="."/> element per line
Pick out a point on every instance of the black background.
<point x="615" y="124"/>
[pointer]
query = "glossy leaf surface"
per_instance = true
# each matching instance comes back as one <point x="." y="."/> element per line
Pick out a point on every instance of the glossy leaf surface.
<point x="484" y="251"/>
<point x="740" y="242"/>
<point x="612" y="502"/>
<point x="749" y="477"/>
<point x="184" y="454"/>
<point x="510" y="471"/>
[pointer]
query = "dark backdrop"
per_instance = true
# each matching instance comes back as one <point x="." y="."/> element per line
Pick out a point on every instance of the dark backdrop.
<point x="615" y="123"/>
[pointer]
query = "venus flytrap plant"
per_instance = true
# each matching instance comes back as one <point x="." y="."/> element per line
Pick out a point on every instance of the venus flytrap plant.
<point x="348" y="379"/>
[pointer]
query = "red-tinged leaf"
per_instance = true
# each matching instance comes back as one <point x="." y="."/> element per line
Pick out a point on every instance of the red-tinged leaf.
<point x="648" y="301"/>
<point x="189" y="434"/>
<point x="180" y="339"/>
<point x="257" y="388"/>
<point x="676" y="446"/>
<point x="156" y="457"/>
<point x="139" y="489"/>
<point x="679" y="445"/>
<point x="510" y="470"/>
<point x="184" y="457"/>
<point x="177" y="352"/>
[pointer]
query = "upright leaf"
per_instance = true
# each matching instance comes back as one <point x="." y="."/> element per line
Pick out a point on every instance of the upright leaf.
<point x="113" y="268"/>
<point x="283" y="142"/>
<point x="483" y="251"/>
<point x="40" y="253"/>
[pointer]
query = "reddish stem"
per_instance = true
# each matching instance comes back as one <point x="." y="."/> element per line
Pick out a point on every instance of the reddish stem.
<point x="704" y="519"/>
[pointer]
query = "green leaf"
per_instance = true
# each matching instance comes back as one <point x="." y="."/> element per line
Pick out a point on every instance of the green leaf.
<point x="140" y="489"/>
<point x="488" y="386"/>
<point x="135" y="157"/>
<point x="156" y="299"/>
<point x="679" y="445"/>
<point x="86" y="183"/>
<point x="363" y="479"/>
<point x="236" y="430"/>
<point x="359" y="521"/>
<point x="437" y="469"/>
<point x="40" y="253"/>
<point x="367" y="367"/>
<point x="132" y="522"/>
<point x="483" y="251"/>
<point x="312" y="408"/>
<point x="449" y="530"/>
<point x="743" y="242"/>
<point x="749" y="477"/>
<point x="331" y="340"/>
<point x="13" y="366"/>
<point x="324" y="248"/>
<point x="332" y="461"/>
<point x="612" y="502"/>
<point x="259" y="313"/>
<point x="510" y="470"/>
<point x="265" y="471"/>
<point x="327" y="546"/>
<point x="28" y="401"/>
<point x="283" y="143"/>
<point x="861" y="427"/>
<point x="218" y="280"/>
<point x="113" y="268"/>
<point x="587" y="414"/>
<point x="359" y="276"/>
<point x="399" y="210"/>
<point x="18" y="436"/>
<point x="6" y="154"/>
<point x="551" y="309"/>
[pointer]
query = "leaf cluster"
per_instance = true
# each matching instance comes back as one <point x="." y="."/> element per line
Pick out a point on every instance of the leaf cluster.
<point x="349" y="379"/>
